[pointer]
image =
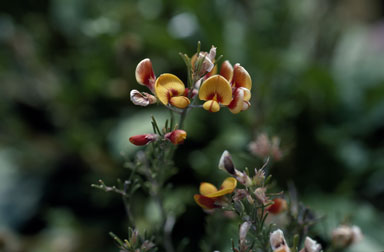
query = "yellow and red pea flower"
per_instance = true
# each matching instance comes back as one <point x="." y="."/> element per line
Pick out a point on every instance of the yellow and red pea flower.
<point x="145" y="75"/>
<point x="241" y="85"/>
<point x="170" y="89"/>
<point x="176" y="137"/>
<point x="215" y="90"/>
<point x="209" y="194"/>
<point x="144" y="139"/>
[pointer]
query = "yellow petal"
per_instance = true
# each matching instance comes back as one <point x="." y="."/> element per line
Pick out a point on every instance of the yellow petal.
<point x="226" y="187"/>
<point x="216" y="88"/>
<point x="241" y="77"/>
<point x="229" y="184"/>
<point x="167" y="86"/>
<point x="207" y="188"/>
<point x="226" y="70"/>
<point x="179" y="101"/>
<point x="211" y="106"/>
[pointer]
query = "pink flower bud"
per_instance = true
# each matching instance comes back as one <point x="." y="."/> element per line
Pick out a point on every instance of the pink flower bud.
<point x="142" y="99"/>
<point x="177" y="136"/>
<point x="144" y="139"/>
<point x="244" y="228"/>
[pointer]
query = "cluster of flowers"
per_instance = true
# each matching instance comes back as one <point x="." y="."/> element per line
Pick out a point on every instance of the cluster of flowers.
<point x="279" y="244"/>
<point x="231" y="87"/>
<point x="255" y="194"/>
<point x="210" y="197"/>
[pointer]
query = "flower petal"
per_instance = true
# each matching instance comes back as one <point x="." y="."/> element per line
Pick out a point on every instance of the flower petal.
<point x="236" y="104"/>
<point x="216" y="88"/>
<point x="247" y="93"/>
<point x="167" y="86"/>
<point x="142" y="99"/>
<point x="179" y="101"/>
<point x="177" y="136"/>
<point x="204" y="202"/>
<point x="229" y="184"/>
<point x="226" y="70"/>
<point x="226" y="187"/>
<point x="211" y="106"/>
<point x="207" y="188"/>
<point x="241" y="77"/>
<point x="144" y="73"/>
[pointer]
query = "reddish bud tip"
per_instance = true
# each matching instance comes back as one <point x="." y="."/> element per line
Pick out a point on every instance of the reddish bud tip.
<point x="144" y="139"/>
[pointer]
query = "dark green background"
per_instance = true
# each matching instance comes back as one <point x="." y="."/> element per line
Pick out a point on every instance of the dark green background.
<point x="66" y="69"/>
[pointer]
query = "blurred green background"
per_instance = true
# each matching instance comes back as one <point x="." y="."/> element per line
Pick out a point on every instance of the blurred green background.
<point x="66" y="69"/>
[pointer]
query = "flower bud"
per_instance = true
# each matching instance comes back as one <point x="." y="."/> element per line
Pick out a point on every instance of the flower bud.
<point x="243" y="178"/>
<point x="344" y="235"/>
<point x="278" y="242"/>
<point x="311" y="246"/>
<point x="240" y="194"/>
<point x="144" y="139"/>
<point x="177" y="136"/>
<point x="226" y="163"/>
<point x="244" y="228"/>
<point x="260" y="195"/>
<point x="144" y="74"/>
<point x="259" y="177"/>
<point x="207" y="61"/>
<point x="142" y="99"/>
<point x="279" y="205"/>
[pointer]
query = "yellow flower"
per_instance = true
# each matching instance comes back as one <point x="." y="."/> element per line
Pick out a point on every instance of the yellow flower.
<point x="215" y="90"/>
<point x="170" y="90"/>
<point x="209" y="194"/>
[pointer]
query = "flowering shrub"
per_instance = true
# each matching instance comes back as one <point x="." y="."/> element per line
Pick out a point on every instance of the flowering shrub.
<point x="248" y="196"/>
